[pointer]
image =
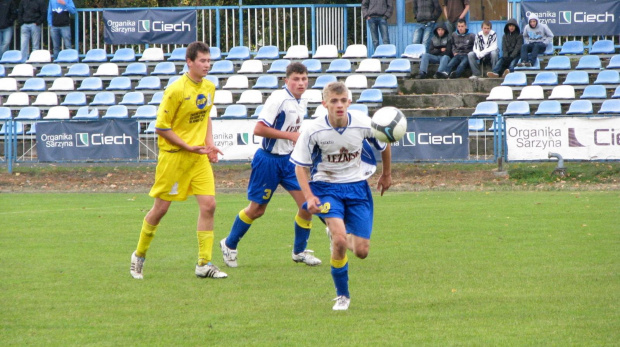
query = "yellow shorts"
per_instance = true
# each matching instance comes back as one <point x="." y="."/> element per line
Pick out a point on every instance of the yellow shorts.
<point x="181" y="174"/>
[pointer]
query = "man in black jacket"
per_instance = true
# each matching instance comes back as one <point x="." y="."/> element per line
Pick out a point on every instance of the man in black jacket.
<point x="440" y="50"/>
<point x="511" y="50"/>
<point x="31" y="17"/>
<point x="462" y="44"/>
<point x="8" y="14"/>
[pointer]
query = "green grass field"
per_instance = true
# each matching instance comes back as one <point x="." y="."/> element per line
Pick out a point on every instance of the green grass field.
<point x="445" y="269"/>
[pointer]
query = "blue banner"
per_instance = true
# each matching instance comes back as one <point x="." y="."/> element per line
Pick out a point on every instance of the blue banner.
<point x="576" y="18"/>
<point x="149" y="26"/>
<point x="106" y="139"/>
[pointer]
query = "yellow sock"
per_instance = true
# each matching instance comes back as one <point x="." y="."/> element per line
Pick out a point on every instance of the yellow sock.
<point x="205" y="246"/>
<point x="339" y="263"/>
<point x="146" y="236"/>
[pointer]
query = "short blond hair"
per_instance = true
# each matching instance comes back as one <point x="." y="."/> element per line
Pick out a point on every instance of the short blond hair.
<point x="334" y="88"/>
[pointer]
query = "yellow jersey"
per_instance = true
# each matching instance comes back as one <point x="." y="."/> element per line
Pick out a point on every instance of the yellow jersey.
<point x="185" y="109"/>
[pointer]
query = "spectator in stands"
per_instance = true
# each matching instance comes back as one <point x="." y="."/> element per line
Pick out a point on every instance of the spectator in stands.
<point x="8" y="14"/>
<point x="426" y="13"/>
<point x="511" y="48"/>
<point x="536" y="37"/>
<point x="462" y="44"/>
<point x="485" y="50"/>
<point x="377" y="12"/>
<point x="59" y="18"/>
<point x="454" y="10"/>
<point x="31" y="17"/>
<point x="440" y="50"/>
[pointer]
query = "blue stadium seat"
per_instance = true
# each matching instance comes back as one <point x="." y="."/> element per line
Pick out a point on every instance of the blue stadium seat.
<point x="150" y="129"/>
<point x="268" y="53"/>
<point x="515" y="79"/>
<point x="87" y="113"/>
<point x="172" y="80"/>
<point x="614" y="62"/>
<point x="610" y="107"/>
<point x="580" y="107"/>
<point x="104" y="99"/>
<point x="116" y="111"/>
<point x="120" y="83"/>
<point x="266" y="82"/>
<point x="215" y="80"/>
<point x="149" y="82"/>
<point x="558" y="63"/>
<point x="594" y="92"/>
<point x="135" y="69"/>
<point x="178" y="54"/>
<point x="216" y="53"/>
<point x="603" y="47"/>
<point x="124" y="55"/>
<point x="5" y="113"/>
<point x="572" y="47"/>
<point x="133" y="98"/>
<point x="74" y="99"/>
<point x="34" y="84"/>
<point x="359" y="107"/>
<point x="517" y="108"/>
<point x="589" y="62"/>
<point x="236" y="111"/>
<point x="339" y="66"/>
<point x="156" y="99"/>
<point x="549" y="107"/>
<point x="11" y="57"/>
<point x="78" y="70"/>
<point x="371" y="95"/>
<point x="385" y="51"/>
<point x="279" y="66"/>
<point x="313" y="65"/>
<point x="577" y="78"/>
<point x="486" y="108"/>
<point x="546" y="78"/>
<point x="222" y="67"/>
<point x="67" y="56"/>
<point x="399" y="65"/>
<point x="239" y="53"/>
<point x="95" y="55"/>
<point x="18" y="129"/>
<point x="257" y="111"/>
<point x="164" y="68"/>
<point x="146" y="112"/>
<point x="50" y="70"/>
<point x="414" y="50"/>
<point x="91" y="83"/>
<point x="608" y="77"/>
<point x="2" y="71"/>
<point x="616" y="94"/>
<point x="385" y="81"/>
<point x="29" y="113"/>
<point x="323" y="80"/>
<point x="475" y="124"/>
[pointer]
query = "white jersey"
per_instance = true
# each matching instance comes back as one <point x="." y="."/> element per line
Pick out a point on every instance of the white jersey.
<point x="282" y="112"/>
<point x="334" y="154"/>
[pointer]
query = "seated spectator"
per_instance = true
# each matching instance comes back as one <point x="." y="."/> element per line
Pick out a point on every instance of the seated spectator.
<point x="462" y="44"/>
<point x="511" y="48"/>
<point x="440" y="50"/>
<point x="485" y="50"/>
<point x="536" y="37"/>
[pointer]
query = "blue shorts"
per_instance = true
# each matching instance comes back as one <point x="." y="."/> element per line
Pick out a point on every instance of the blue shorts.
<point x="351" y="202"/>
<point x="269" y="171"/>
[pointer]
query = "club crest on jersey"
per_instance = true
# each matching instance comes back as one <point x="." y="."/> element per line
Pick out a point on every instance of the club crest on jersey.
<point x="201" y="101"/>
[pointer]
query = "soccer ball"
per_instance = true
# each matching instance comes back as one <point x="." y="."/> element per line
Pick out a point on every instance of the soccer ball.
<point x="389" y="124"/>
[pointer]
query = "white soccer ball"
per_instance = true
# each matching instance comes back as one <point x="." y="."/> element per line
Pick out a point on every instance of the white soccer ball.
<point x="389" y="124"/>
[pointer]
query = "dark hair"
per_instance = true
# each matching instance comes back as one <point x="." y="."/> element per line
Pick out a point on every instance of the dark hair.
<point x="192" y="50"/>
<point x="487" y="23"/>
<point x="296" y="68"/>
<point x="461" y="20"/>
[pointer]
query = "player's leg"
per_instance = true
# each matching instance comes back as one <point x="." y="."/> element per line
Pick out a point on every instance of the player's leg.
<point x="359" y="219"/>
<point x="303" y="225"/>
<point x="147" y="233"/>
<point x="339" y="262"/>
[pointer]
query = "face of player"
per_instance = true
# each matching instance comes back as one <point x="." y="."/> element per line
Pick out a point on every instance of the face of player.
<point x="337" y="105"/>
<point x="296" y="83"/>
<point x="486" y="30"/>
<point x="198" y="68"/>
<point x="461" y="27"/>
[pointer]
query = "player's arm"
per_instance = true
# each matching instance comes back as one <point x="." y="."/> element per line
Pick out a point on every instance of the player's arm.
<point x="212" y="150"/>
<point x="263" y="130"/>
<point x="385" y="180"/>
<point x="313" y="202"/>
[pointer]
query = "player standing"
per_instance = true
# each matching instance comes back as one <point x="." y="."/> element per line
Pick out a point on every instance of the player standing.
<point x="278" y="124"/>
<point x="186" y="149"/>
<point x="331" y="147"/>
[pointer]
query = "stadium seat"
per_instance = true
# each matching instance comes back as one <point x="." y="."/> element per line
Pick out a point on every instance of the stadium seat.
<point x="104" y="99"/>
<point x="238" y="53"/>
<point x="213" y="112"/>
<point x="500" y="93"/>
<point x="546" y="78"/>
<point x="268" y="53"/>
<point x="62" y="84"/>
<point x="562" y="92"/>
<point x="164" y="68"/>
<point x="178" y="54"/>
<point x="251" y="66"/>
<point x="149" y="82"/>
<point x="152" y="54"/>
<point x="369" y="65"/>
<point x="313" y="95"/>
<point x="172" y="80"/>
<point x="22" y="70"/>
<point x="279" y="66"/>
<point x="516" y="79"/>
<point x="577" y="78"/>
<point x="35" y="84"/>
<point x="124" y="55"/>
<point x="399" y="65"/>
<point x="517" y="108"/>
<point x="414" y="50"/>
<point x="357" y="81"/>
<point x="320" y="111"/>
<point x="572" y="47"/>
<point x="297" y="52"/>
<point x="116" y="111"/>
<point x="475" y="124"/>
<point x="87" y="113"/>
<point x="608" y="77"/>
<point x="50" y="70"/>
<point x="603" y="47"/>
<point x="58" y="112"/>
<point x="588" y="62"/>
<point x="40" y="56"/>
<point x="46" y="99"/>
<point x="215" y="80"/>
<point x="580" y="107"/>
<point x="216" y="53"/>
<point x="91" y="83"/>
<point x="558" y="63"/>
<point x="322" y="80"/>
<point x="95" y="55"/>
<point x="257" y="111"/>
<point x="222" y="67"/>
<point x="29" y="113"/>
<point x="78" y="70"/>
<point x="2" y="71"/>
<point x="8" y="84"/>
<point x="237" y="82"/>
<point x="133" y="98"/>
<point x="223" y="97"/>
<point x="251" y="97"/>
<point x="67" y="56"/>
<point x="356" y="52"/>
<point x="5" y="113"/>
<point x="370" y="95"/>
<point x="610" y="107"/>
<point x="385" y="51"/>
<point x="266" y="82"/>
<point x="18" y="126"/>
<point x="339" y="66"/>
<point x="146" y="112"/>
<point x="119" y="83"/>
<point x="135" y="69"/>
<point x="614" y="62"/>
<point x="11" y="57"/>
<point x="359" y="107"/>
<point x="326" y="52"/>
<point x="549" y="107"/>
<point x="536" y="66"/>
<point x="74" y="99"/>
<point x="150" y="129"/>
<point x="156" y="99"/>
<point x="236" y="111"/>
<point x="616" y="94"/>
<point x="385" y="81"/>
<point x="107" y="69"/>
<point x="18" y="99"/>
<point x="486" y="108"/>
<point x="594" y="92"/>
<point x="313" y="65"/>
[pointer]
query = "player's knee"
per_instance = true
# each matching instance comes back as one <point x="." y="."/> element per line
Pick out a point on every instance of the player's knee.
<point x="361" y="252"/>
<point x="208" y="208"/>
<point x="255" y="211"/>
<point x="340" y="243"/>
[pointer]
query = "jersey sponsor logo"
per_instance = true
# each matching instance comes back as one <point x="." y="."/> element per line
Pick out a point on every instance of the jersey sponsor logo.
<point x="201" y="101"/>
<point x="343" y="156"/>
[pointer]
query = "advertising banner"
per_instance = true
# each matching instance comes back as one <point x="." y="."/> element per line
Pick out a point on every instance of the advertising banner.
<point x="110" y="139"/>
<point x="236" y="138"/>
<point x="571" y="137"/>
<point x="433" y="138"/>
<point x="576" y="18"/>
<point x="149" y="26"/>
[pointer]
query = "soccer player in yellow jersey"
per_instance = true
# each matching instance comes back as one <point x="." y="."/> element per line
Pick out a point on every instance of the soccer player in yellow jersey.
<point x="186" y="149"/>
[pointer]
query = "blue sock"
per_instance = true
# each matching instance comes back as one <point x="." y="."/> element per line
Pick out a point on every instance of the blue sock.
<point x="302" y="233"/>
<point x="341" y="280"/>
<point x="241" y="226"/>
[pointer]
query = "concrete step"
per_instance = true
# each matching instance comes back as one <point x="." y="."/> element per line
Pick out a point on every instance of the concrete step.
<point x="448" y="101"/>
<point x="438" y="112"/>
<point x="449" y="86"/>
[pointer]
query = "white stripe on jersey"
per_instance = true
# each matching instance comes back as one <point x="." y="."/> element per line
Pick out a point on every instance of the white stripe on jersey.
<point x="333" y="156"/>
<point x="282" y="112"/>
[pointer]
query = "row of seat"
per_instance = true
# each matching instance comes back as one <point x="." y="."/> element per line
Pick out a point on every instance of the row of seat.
<point x="574" y="78"/>
<point x="534" y="94"/>
<point x="586" y="62"/>
<point x="548" y="107"/>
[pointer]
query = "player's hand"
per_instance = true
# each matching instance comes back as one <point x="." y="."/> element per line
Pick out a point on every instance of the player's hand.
<point x="314" y="205"/>
<point x="294" y="137"/>
<point x="385" y="181"/>
<point x="212" y="152"/>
